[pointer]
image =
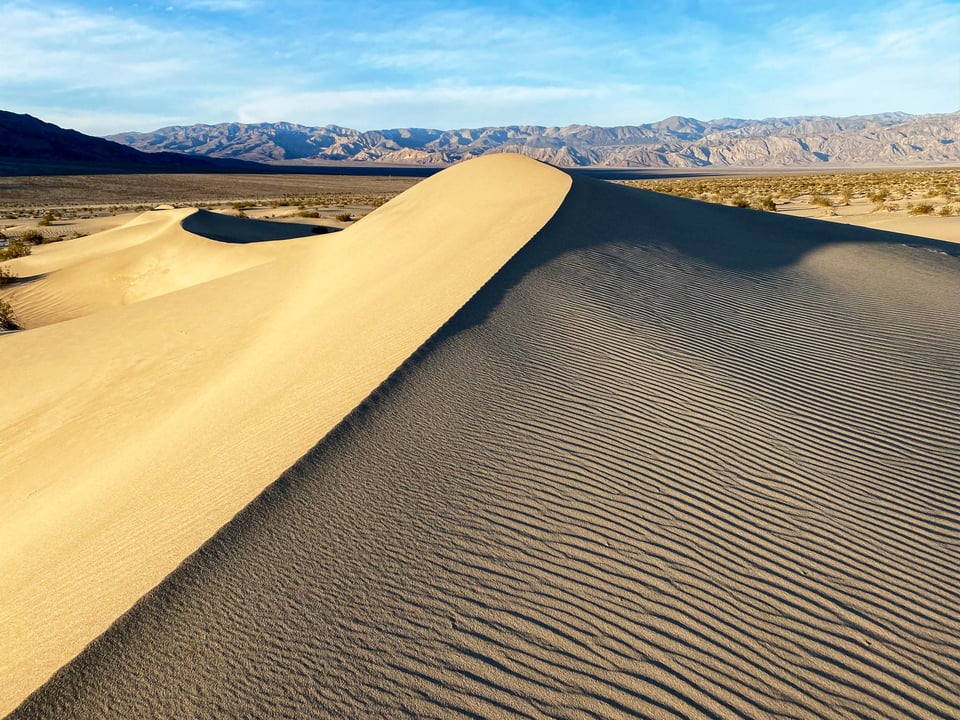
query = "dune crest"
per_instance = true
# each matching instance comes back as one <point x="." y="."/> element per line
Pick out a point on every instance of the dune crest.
<point x="135" y="431"/>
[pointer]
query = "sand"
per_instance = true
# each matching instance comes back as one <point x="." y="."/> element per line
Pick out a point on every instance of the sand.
<point x="673" y="460"/>
<point x="154" y="254"/>
<point x="140" y="425"/>
<point x="861" y="212"/>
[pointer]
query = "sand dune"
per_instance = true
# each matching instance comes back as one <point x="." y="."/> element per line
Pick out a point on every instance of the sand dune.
<point x="155" y="254"/>
<point x="673" y="460"/>
<point x="133" y="432"/>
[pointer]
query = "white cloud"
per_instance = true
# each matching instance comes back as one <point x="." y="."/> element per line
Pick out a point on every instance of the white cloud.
<point x="142" y="66"/>
<point x="901" y="58"/>
<point x="220" y="5"/>
<point x="445" y="107"/>
<point x="71" y="49"/>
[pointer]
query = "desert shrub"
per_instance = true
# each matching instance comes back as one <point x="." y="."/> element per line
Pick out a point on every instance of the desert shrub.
<point x="308" y="214"/>
<point x="15" y="248"/>
<point x="740" y="201"/>
<point x="344" y="217"/>
<point x="921" y="209"/>
<point x="878" y="196"/>
<point x="35" y="237"/>
<point x="6" y="277"/>
<point x="820" y="200"/>
<point x="48" y="217"/>
<point x="946" y="211"/>
<point x="8" y="320"/>
<point x="767" y="203"/>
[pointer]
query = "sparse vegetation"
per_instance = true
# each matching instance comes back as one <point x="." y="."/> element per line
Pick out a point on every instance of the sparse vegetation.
<point x="15" y="248"/>
<point x="344" y="217"/>
<point x="34" y="237"/>
<point x="6" y="276"/>
<point x="8" y="319"/>
<point x="767" y="203"/>
<point x="921" y="209"/>
<point x="888" y="191"/>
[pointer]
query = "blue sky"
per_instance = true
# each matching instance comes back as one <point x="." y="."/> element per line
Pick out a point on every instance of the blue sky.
<point x="104" y="67"/>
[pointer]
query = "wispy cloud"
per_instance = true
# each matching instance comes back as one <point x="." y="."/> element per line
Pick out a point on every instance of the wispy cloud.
<point x="483" y="62"/>
<point x="219" y="5"/>
<point x="446" y="106"/>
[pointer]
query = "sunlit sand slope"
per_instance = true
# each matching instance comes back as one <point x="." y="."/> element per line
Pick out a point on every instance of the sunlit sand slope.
<point x="129" y="435"/>
<point x="160" y="252"/>
<point x="675" y="460"/>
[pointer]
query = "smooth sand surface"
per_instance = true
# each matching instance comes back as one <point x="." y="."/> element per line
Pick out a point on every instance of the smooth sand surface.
<point x="675" y="460"/>
<point x="131" y="433"/>
<point x="861" y="213"/>
<point x="156" y="253"/>
<point x="939" y="228"/>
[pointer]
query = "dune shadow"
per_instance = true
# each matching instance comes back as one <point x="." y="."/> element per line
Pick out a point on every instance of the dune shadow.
<point x="26" y="279"/>
<point x="242" y="231"/>
<point x="596" y="213"/>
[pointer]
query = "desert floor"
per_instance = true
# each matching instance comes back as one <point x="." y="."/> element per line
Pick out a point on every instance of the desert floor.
<point x="513" y="444"/>
<point x="82" y="205"/>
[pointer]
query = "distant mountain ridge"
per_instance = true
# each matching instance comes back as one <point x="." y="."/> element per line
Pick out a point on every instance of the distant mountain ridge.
<point x="676" y="142"/>
<point x="26" y="139"/>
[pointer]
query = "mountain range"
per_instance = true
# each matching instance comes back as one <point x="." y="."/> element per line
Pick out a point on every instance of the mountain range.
<point x="42" y="147"/>
<point x="676" y="142"/>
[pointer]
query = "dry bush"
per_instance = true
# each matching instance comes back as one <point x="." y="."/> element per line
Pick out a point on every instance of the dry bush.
<point x="767" y="203"/>
<point x="16" y="247"/>
<point x="8" y="319"/>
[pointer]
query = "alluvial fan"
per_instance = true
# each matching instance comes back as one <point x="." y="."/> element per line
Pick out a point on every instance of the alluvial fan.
<point x="673" y="460"/>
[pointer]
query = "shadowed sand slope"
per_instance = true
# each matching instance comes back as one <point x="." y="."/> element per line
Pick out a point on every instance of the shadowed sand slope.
<point x="134" y="432"/>
<point x="674" y="460"/>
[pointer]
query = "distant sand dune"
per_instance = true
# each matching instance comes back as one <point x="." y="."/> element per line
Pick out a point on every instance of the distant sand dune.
<point x="674" y="460"/>
<point x="132" y="433"/>
<point x="158" y="253"/>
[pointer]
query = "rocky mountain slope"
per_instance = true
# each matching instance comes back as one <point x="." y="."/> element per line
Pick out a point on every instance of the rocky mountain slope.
<point x="674" y="142"/>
